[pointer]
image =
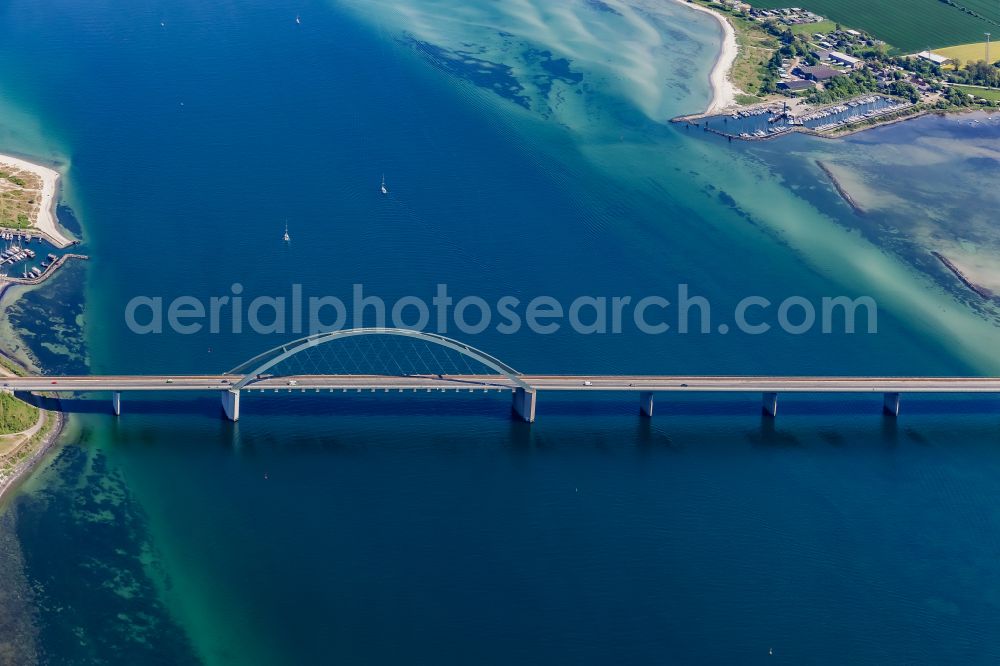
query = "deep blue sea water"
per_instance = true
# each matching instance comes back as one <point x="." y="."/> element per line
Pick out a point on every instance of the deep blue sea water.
<point x="383" y="529"/>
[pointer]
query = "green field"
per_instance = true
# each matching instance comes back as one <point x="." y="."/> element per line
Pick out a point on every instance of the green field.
<point x="992" y="94"/>
<point x="15" y="415"/>
<point x="812" y="28"/>
<point x="907" y="25"/>
<point x="988" y="8"/>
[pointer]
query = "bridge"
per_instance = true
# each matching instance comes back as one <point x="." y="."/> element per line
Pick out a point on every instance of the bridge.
<point x="481" y="372"/>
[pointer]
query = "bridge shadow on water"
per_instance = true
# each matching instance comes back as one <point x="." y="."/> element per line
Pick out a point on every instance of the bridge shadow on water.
<point x="497" y="405"/>
<point x="565" y="422"/>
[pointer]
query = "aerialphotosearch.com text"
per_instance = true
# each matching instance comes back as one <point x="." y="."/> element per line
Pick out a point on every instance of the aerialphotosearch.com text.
<point x="682" y="312"/>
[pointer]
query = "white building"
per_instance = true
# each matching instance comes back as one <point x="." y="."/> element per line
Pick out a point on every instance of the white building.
<point x="935" y="58"/>
<point x="844" y="59"/>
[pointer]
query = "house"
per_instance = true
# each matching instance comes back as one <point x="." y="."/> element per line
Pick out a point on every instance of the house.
<point x="796" y="85"/>
<point x="822" y="54"/>
<point x="844" y="59"/>
<point x="817" y="72"/>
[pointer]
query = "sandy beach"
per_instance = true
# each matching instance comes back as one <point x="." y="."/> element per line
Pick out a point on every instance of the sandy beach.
<point x="723" y="91"/>
<point x="46" y="222"/>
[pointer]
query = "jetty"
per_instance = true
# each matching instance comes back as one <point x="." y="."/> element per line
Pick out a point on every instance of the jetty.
<point x="962" y="277"/>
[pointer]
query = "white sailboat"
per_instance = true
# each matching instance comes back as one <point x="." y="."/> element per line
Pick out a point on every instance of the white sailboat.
<point x="298" y="19"/>
<point x="286" y="236"/>
<point x="384" y="190"/>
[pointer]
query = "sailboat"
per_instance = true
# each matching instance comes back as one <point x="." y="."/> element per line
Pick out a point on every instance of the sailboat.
<point x="286" y="236"/>
<point x="298" y="19"/>
<point x="384" y="190"/>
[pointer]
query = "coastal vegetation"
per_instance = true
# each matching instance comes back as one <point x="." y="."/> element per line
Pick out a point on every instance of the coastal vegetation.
<point x="908" y="25"/>
<point x="978" y="73"/>
<point x="17" y="453"/>
<point x="989" y="94"/>
<point x="12" y="366"/>
<point x="15" y="415"/>
<point x="858" y="83"/>
<point x="20" y="197"/>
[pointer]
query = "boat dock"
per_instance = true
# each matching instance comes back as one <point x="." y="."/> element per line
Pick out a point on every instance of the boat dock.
<point x="769" y="121"/>
<point x="17" y="257"/>
<point x="36" y="275"/>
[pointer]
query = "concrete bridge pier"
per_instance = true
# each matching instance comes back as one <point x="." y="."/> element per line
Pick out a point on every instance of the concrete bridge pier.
<point x="646" y="403"/>
<point x="524" y="404"/>
<point x="770" y="404"/>
<point x="231" y="405"/>
<point x="116" y="403"/>
<point x="890" y="404"/>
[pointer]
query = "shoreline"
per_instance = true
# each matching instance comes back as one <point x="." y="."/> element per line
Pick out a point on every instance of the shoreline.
<point x="51" y="424"/>
<point x="57" y="422"/>
<point x="46" y="223"/>
<point x="723" y="90"/>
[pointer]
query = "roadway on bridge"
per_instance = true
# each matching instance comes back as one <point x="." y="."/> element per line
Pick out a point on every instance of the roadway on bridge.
<point x="720" y="384"/>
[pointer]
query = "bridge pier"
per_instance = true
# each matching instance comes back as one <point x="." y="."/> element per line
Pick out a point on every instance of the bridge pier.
<point x="646" y="403"/>
<point x="116" y="403"/>
<point x="770" y="404"/>
<point x="890" y="404"/>
<point x="524" y="404"/>
<point x="231" y="405"/>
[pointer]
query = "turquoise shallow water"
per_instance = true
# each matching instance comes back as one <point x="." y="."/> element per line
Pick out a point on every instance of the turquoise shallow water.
<point x="527" y="153"/>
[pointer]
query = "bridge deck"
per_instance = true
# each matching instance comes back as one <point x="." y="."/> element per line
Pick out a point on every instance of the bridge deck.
<point x="722" y="384"/>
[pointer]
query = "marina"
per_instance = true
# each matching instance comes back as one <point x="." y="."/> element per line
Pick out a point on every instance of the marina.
<point x="766" y="122"/>
<point x="18" y="259"/>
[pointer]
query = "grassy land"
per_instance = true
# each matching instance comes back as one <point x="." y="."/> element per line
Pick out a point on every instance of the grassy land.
<point x="908" y="25"/>
<point x="12" y="366"/>
<point x="20" y="198"/>
<point x="992" y="94"/>
<point x="971" y="52"/>
<point x="15" y="415"/>
<point x="755" y="49"/>
<point x="10" y="459"/>
<point x="824" y="27"/>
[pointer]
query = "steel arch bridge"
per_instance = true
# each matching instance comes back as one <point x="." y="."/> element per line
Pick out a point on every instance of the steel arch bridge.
<point x="250" y="376"/>
<point x="253" y="369"/>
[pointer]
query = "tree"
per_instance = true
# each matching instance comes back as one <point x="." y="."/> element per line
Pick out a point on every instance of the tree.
<point x="905" y="90"/>
<point x="983" y="74"/>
